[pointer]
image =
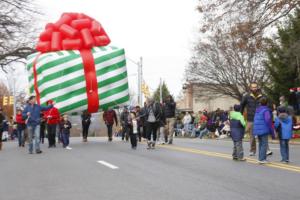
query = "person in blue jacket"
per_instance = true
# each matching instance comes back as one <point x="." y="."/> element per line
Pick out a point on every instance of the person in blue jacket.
<point x="284" y="128"/>
<point x="237" y="130"/>
<point x="32" y="113"/>
<point x="262" y="128"/>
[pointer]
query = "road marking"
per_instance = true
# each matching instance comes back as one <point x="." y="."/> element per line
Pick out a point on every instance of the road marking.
<point x="228" y="156"/>
<point x="107" y="164"/>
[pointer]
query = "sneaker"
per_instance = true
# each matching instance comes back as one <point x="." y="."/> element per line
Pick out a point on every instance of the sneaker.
<point x="263" y="162"/>
<point x="287" y="161"/>
<point x="153" y="145"/>
<point x="241" y="159"/>
<point x="251" y="154"/>
<point x="269" y="153"/>
<point x="69" y="148"/>
<point x="234" y="158"/>
<point x="170" y="142"/>
<point x="39" y="152"/>
<point x="149" y="145"/>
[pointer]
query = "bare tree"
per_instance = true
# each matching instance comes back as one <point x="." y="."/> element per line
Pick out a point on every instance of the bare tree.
<point x="16" y="27"/>
<point x="264" y="13"/>
<point x="232" y="55"/>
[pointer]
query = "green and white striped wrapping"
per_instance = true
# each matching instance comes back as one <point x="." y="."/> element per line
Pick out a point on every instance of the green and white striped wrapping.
<point x="60" y="77"/>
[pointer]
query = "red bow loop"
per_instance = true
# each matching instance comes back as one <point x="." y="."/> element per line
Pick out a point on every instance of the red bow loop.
<point x="73" y="31"/>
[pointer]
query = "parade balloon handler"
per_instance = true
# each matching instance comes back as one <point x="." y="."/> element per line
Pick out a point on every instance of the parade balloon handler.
<point x="21" y="126"/>
<point x="85" y="122"/>
<point x="52" y="117"/>
<point x="77" y="68"/>
<point x="65" y="126"/>
<point x="31" y="114"/>
<point x="110" y="117"/>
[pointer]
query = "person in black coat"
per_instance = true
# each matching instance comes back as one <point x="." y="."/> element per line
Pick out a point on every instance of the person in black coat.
<point x="152" y="116"/>
<point x="86" y="122"/>
<point x="2" y="119"/>
<point x="65" y="126"/>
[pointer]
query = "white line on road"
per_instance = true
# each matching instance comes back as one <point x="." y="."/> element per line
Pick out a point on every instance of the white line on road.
<point x="107" y="164"/>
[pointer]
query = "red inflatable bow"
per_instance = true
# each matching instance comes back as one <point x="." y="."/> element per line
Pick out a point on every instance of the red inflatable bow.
<point x="75" y="31"/>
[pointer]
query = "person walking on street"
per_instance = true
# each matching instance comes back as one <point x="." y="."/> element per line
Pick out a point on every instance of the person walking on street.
<point x="110" y="117"/>
<point x="284" y="128"/>
<point x="169" y="107"/>
<point x="133" y="129"/>
<point x="32" y="113"/>
<point x="153" y="115"/>
<point x="124" y="122"/>
<point x="52" y="117"/>
<point x="163" y="138"/>
<point x="262" y="128"/>
<point x="42" y="128"/>
<point x="250" y="101"/>
<point x="21" y="126"/>
<point x="65" y="126"/>
<point x="2" y="118"/>
<point x="141" y="122"/>
<point x="237" y="129"/>
<point x="86" y="122"/>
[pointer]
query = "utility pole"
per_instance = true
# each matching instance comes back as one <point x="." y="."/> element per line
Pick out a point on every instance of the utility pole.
<point x="140" y="81"/>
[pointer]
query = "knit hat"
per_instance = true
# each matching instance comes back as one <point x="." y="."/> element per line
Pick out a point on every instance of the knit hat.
<point x="50" y="102"/>
<point x="282" y="109"/>
<point x="237" y="107"/>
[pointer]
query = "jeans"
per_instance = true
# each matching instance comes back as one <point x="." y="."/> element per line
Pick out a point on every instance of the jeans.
<point x="21" y="136"/>
<point x="238" y="151"/>
<point x="263" y="145"/>
<point x="34" y="134"/>
<point x="203" y="132"/>
<point x="65" y="139"/>
<point x="284" y="149"/>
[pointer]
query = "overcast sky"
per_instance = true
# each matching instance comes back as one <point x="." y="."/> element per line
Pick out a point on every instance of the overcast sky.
<point x="161" y="31"/>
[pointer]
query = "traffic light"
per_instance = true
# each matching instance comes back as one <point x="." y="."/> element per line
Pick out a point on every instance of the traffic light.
<point x="11" y="100"/>
<point x="5" y="101"/>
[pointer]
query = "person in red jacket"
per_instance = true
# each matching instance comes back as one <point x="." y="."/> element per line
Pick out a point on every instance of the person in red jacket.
<point x="21" y="126"/>
<point x="109" y="117"/>
<point x="52" y="118"/>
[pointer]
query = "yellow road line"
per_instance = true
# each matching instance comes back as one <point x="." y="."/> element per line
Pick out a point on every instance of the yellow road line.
<point x="228" y="156"/>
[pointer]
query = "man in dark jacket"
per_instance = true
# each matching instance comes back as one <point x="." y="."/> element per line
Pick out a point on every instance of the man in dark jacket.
<point x="109" y="117"/>
<point x="32" y="113"/>
<point x="169" y="107"/>
<point x="250" y="101"/>
<point x="124" y="122"/>
<point x="86" y="122"/>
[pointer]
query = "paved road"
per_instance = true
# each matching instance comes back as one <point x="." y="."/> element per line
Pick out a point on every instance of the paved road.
<point x="192" y="169"/>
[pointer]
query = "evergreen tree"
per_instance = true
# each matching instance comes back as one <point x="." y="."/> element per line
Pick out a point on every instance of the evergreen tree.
<point x="165" y="92"/>
<point x="283" y="61"/>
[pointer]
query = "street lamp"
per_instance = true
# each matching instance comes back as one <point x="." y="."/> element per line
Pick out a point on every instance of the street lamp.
<point x="140" y="78"/>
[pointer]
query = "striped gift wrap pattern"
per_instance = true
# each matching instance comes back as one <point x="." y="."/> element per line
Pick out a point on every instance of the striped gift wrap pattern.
<point x="60" y="77"/>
